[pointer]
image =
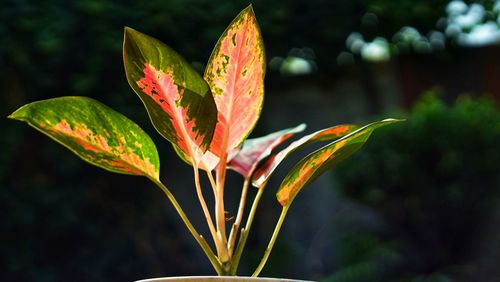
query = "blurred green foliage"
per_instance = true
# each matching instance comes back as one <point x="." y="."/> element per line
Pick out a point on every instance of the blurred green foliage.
<point x="74" y="47"/>
<point x="433" y="181"/>
<point x="421" y="14"/>
<point x="61" y="218"/>
<point x="392" y="15"/>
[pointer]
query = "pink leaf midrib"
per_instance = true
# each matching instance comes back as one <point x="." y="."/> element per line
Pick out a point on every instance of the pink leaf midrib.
<point x="179" y="117"/>
<point x="167" y="86"/>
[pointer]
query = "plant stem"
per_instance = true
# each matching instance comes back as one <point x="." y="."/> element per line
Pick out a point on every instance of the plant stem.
<point x="246" y="230"/>
<point x="206" y="212"/>
<point x="237" y="222"/>
<point x="201" y="241"/>
<point x="212" y="183"/>
<point x="220" y="216"/>
<point x="271" y="242"/>
<point x="238" y="252"/>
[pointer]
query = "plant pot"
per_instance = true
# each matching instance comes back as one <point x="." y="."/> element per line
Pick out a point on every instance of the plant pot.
<point x="219" y="279"/>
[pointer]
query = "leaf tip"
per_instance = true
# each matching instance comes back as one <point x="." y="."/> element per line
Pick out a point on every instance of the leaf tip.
<point x="247" y="11"/>
<point x="128" y="30"/>
<point x="394" y="120"/>
<point x="249" y="8"/>
<point x="18" y="114"/>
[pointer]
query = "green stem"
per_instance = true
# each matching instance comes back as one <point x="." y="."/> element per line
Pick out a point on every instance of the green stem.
<point x="201" y="241"/>
<point x="246" y="230"/>
<point x="271" y="242"/>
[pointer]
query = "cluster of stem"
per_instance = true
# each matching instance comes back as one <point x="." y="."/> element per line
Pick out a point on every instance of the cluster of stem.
<point x="228" y="249"/>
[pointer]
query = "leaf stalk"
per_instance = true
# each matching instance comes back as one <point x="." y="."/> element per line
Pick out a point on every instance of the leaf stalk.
<point x="271" y="242"/>
<point x="246" y="230"/>
<point x="201" y="241"/>
<point x="206" y="212"/>
<point x="237" y="222"/>
<point x="220" y="216"/>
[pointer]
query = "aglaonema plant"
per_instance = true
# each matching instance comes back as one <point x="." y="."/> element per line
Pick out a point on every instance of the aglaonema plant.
<point x="207" y="119"/>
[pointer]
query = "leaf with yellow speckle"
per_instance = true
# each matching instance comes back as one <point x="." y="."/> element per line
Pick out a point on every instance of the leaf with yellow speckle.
<point x="235" y="73"/>
<point x="266" y="170"/>
<point x="316" y="163"/>
<point x="94" y="132"/>
<point x="178" y="100"/>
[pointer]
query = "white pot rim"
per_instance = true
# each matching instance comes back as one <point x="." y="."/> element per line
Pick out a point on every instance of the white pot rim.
<point x="219" y="279"/>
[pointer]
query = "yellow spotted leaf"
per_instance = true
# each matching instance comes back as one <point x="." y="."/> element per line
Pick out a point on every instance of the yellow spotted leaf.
<point x="235" y="74"/>
<point x="94" y="132"/>
<point x="316" y="163"/>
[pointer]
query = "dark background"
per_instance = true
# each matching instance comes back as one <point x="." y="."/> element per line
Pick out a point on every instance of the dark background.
<point x="420" y="202"/>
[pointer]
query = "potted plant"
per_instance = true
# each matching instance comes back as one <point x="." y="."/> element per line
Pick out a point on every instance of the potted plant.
<point x="207" y="119"/>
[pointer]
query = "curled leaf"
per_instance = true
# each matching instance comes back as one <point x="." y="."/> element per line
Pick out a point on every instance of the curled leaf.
<point x="94" y="132"/>
<point x="315" y="164"/>
<point x="266" y="170"/>
<point x="255" y="150"/>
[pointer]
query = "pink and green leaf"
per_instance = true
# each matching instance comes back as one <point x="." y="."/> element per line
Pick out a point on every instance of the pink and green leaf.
<point x="235" y="73"/>
<point x="265" y="171"/>
<point x="315" y="164"/>
<point x="179" y="102"/>
<point x="94" y="132"/>
<point x="255" y="150"/>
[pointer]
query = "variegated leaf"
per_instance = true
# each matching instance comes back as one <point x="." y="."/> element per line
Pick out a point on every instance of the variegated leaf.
<point x="255" y="150"/>
<point x="178" y="100"/>
<point x="95" y="132"/>
<point x="235" y="73"/>
<point x="315" y="164"/>
<point x="266" y="170"/>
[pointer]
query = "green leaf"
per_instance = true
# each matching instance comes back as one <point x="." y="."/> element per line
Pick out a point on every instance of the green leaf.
<point x="254" y="150"/>
<point x="95" y="132"/>
<point x="315" y="164"/>
<point x="266" y="170"/>
<point x="178" y="100"/>
<point x="235" y="73"/>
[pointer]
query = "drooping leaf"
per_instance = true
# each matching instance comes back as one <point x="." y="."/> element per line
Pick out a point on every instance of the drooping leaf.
<point x="95" y="132"/>
<point x="235" y="73"/>
<point x="315" y="164"/>
<point x="255" y="150"/>
<point x="178" y="100"/>
<point x="266" y="170"/>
